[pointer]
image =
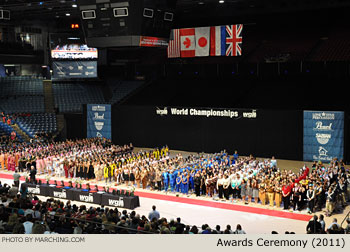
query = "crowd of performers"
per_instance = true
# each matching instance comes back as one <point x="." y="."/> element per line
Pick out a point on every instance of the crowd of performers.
<point x="221" y="176"/>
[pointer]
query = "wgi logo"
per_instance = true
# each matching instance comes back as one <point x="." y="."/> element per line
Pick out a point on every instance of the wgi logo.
<point x="86" y="198"/>
<point x="61" y="195"/>
<point x="116" y="203"/>
<point x="99" y="125"/>
<point x="250" y="114"/>
<point x="162" y="112"/>
<point x="34" y="190"/>
<point x="323" y="138"/>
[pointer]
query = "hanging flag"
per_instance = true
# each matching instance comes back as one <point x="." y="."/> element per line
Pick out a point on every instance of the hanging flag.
<point x="218" y="41"/>
<point x="202" y="41"/>
<point x="233" y="40"/>
<point x="174" y="48"/>
<point x="188" y="42"/>
<point x="223" y="40"/>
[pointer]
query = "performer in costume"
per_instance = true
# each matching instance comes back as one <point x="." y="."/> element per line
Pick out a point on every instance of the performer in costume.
<point x="144" y="177"/>
<point x="65" y="167"/>
<point x="262" y="192"/>
<point x="191" y="180"/>
<point x="158" y="179"/>
<point x="85" y="170"/>
<point x="278" y="194"/>
<point x="172" y="181"/>
<point x="91" y="173"/>
<point x="165" y="176"/>
<point x="106" y="172"/>
<point x="2" y="160"/>
<point x="132" y="176"/>
<point x="286" y="192"/>
<point x="197" y="184"/>
<point x="178" y="182"/>
<point x="270" y="189"/>
<point x="138" y="177"/>
<point x="5" y="160"/>
<point x="126" y="176"/>
<point x="184" y="183"/>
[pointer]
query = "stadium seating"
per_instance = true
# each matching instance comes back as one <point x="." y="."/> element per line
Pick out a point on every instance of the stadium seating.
<point x="121" y="89"/>
<point x="21" y="94"/>
<point x="37" y="123"/>
<point x="292" y="47"/>
<point x="6" y="129"/>
<point x="69" y="97"/>
<point x="336" y="47"/>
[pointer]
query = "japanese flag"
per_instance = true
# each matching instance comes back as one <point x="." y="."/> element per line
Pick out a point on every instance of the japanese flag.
<point x="202" y="41"/>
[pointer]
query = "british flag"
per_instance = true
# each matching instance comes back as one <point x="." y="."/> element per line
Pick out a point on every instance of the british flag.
<point x="233" y="40"/>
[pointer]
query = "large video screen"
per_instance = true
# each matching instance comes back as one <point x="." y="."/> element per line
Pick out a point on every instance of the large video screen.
<point x="74" y="69"/>
<point x="74" y="51"/>
<point x="71" y="47"/>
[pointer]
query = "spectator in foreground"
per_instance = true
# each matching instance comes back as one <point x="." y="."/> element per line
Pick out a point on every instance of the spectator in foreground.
<point x="28" y="225"/>
<point x="239" y="230"/>
<point x="314" y="226"/>
<point x="16" y="177"/>
<point x="347" y="228"/>
<point x="154" y="214"/>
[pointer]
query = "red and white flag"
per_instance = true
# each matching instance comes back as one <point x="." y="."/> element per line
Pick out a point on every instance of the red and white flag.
<point x="202" y="41"/>
<point x="174" y="50"/>
<point x="188" y="42"/>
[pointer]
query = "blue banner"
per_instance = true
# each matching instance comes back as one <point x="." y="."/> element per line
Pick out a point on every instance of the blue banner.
<point x="323" y="135"/>
<point x="74" y="69"/>
<point x="99" y="121"/>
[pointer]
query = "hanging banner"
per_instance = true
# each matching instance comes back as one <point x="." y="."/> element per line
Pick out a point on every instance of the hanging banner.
<point x="99" y="122"/>
<point x="74" y="69"/>
<point x="323" y="135"/>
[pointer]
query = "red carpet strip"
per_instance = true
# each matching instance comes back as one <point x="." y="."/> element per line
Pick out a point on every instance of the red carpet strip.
<point x="198" y="202"/>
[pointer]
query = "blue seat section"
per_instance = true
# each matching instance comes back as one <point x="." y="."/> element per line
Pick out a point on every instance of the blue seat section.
<point x="122" y="89"/>
<point x="37" y="123"/>
<point x="20" y="94"/>
<point x="6" y="130"/>
<point x="70" y="97"/>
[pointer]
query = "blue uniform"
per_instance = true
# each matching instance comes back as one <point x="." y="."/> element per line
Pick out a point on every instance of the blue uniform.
<point x="178" y="183"/>
<point x="184" y="185"/>
<point x="172" y="181"/>
<point x="166" y="181"/>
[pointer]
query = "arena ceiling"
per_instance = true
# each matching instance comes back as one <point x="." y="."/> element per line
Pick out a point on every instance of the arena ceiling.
<point x="186" y="9"/>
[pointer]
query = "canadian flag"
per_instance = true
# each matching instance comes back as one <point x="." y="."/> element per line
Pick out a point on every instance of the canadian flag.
<point x="202" y="41"/>
<point x="188" y="42"/>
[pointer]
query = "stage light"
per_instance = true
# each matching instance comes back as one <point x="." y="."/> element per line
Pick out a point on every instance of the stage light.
<point x="74" y="5"/>
<point x="221" y="1"/>
<point x="67" y="14"/>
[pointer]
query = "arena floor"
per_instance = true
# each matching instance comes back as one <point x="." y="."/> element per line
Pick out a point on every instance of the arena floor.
<point x="254" y="218"/>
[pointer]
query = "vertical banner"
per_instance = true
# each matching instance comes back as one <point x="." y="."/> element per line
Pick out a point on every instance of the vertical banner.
<point x="323" y="135"/>
<point x="99" y="123"/>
